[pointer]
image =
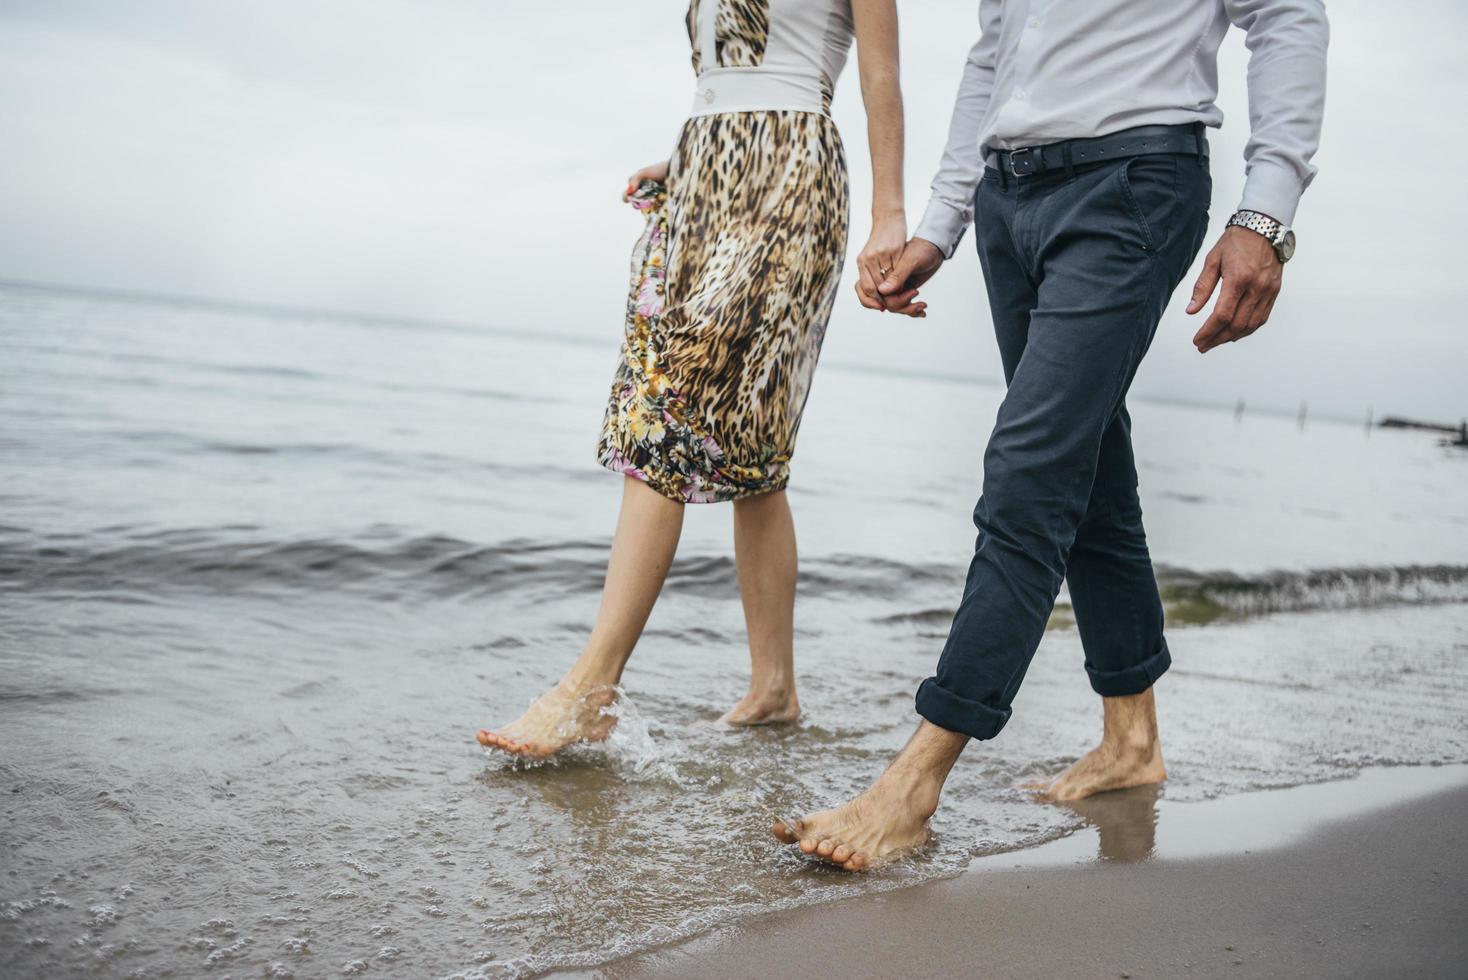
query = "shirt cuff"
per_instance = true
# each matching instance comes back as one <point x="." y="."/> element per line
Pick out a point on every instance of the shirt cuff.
<point x="1273" y="189"/>
<point x="943" y="224"/>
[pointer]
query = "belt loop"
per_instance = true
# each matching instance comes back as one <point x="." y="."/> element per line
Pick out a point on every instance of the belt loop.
<point x="1199" y="145"/>
<point x="1070" y="167"/>
<point x="1003" y="170"/>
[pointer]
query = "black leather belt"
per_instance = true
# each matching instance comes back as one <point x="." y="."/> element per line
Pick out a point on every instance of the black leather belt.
<point x="1069" y="154"/>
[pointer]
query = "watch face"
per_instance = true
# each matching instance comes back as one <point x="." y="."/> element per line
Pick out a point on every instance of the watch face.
<point x="1286" y="247"/>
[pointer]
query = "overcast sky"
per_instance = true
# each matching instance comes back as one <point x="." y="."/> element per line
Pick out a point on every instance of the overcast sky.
<point x="462" y="161"/>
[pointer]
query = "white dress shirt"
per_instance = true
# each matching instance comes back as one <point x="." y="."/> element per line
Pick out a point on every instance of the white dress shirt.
<point x="1051" y="70"/>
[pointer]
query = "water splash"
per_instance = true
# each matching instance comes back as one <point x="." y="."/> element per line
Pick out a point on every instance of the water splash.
<point x="631" y="745"/>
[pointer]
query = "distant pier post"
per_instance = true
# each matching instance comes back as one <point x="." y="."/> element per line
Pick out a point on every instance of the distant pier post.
<point x="1239" y="412"/>
<point x="1301" y="419"/>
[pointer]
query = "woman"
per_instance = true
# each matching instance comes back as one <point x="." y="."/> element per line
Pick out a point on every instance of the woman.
<point x="732" y="285"/>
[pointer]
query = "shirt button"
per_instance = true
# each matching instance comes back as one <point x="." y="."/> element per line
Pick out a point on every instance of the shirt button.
<point x="1034" y="22"/>
<point x="708" y="95"/>
<point x="1019" y="94"/>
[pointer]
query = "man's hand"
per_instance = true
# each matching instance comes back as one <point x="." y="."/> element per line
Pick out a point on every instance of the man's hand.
<point x="915" y="266"/>
<point x="1251" y="274"/>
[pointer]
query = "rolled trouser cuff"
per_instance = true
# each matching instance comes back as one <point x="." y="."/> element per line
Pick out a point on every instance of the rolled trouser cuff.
<point x="958" y="714"/>
<point x="1131" y="680"/>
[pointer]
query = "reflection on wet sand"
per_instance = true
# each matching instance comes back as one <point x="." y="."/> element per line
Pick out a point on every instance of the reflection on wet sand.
<point x="1141" y="824"/>
<point x="1125" y="822"/>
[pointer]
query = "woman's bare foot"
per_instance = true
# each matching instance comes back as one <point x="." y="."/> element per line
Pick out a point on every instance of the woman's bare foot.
<point x="565" y="714"/>
<point x="888" y="819"/>
<point x="1130" y="754"/>
<point x="764" y="707"/>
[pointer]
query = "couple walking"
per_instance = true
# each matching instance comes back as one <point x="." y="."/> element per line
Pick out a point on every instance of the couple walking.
<point x="1077" y="152"/>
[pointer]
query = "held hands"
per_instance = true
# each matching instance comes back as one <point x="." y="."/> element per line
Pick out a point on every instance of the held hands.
<point x="895" y="287"/>
<point x="653" y="171"/>
<point x="880" y="257"/>
<point x="1251" y="274"/>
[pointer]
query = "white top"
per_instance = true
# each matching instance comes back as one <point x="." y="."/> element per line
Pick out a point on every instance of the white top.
<point x="804" y="50"/>
<point x="1050" y="70"/>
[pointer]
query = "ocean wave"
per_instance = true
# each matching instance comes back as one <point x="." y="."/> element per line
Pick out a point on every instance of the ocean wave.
<point x="387" y="565"/>
<point x="1223" y="594"/>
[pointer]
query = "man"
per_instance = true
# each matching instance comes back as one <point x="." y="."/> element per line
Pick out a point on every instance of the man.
<point x="1077" y="150"/>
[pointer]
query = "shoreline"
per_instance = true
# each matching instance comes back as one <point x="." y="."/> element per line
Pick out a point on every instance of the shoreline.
<point x="1359" y="876"/>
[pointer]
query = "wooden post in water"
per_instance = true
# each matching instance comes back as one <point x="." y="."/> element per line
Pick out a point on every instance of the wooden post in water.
<point x="1239" y="412"/>
<point x="1301" y="419"/>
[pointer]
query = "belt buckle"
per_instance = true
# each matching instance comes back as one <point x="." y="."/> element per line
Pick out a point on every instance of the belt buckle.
<point x="1021" y="159"/>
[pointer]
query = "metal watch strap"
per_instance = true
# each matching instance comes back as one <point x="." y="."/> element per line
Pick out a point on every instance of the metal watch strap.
<point x="1254" y="221"/>
<point x="1262" y="224"/>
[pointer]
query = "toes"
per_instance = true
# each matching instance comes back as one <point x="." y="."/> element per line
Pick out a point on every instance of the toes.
<point x="858" y="862"/>
<point x="825" y="847"/>
<point x="495" y="740"/>
<point x="783" y="832"/>
<point x="842" y="853"/>
<point x="808" y="845"/>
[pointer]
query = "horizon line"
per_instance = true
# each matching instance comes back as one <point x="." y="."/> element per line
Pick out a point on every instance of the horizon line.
<point x="579" y="340"/>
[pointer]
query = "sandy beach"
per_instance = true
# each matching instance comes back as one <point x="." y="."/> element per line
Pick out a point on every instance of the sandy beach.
<point x="1331" y="880"/>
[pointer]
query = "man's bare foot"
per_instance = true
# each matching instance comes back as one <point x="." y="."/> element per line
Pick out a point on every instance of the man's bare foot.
<point x="892" y="816"/>
<point x="766" y="707"/>
<point x="888" y="819"/>
<point x="565" y="714"/>
<point x="1130" y="754"/>
<point x="1104" y="768"/>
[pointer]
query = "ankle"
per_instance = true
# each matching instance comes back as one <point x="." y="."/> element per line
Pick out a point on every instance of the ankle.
<point x="1130" y="725"/>
<point x="918" y="786"/>
<point x="1139" y="742"/>
<point x="921" y="768"/>
<point x="773" y="687"/>
<point x="585" y="678"/>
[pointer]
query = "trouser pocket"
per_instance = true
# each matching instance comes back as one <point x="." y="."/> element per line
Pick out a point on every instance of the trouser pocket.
<point x="1149" y="186"/>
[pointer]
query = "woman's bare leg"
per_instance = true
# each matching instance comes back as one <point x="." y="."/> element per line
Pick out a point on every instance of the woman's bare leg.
<point x="764" y="549"/>
<point x="642" y="551"/>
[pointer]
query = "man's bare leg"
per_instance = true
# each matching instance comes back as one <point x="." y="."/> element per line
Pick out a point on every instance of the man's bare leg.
<point x="1130" y="753"/>
<point x="574" y="710"/>
<point x="891" y="816"/>
<point x="764" y="550"/>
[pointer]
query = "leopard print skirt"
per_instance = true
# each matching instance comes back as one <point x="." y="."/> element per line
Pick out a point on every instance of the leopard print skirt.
<point x="732" y="284"/>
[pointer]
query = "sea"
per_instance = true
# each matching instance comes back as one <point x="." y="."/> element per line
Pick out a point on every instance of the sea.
<point x="264" y="572"/>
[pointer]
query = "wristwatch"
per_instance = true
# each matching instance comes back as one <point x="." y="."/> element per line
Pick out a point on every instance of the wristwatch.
<point x="1282" y="238"/>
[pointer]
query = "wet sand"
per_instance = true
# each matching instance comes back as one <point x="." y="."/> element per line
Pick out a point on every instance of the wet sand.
<point x="1267" y="884"/>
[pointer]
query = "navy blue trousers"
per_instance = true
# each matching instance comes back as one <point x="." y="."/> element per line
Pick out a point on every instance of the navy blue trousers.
<point x="1079" y="268"/>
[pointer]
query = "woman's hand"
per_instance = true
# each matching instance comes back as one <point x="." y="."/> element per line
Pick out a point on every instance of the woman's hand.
<point x="876" y="55"/>
<point x="879" y="258"/>
<point x="653" y="171"/>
